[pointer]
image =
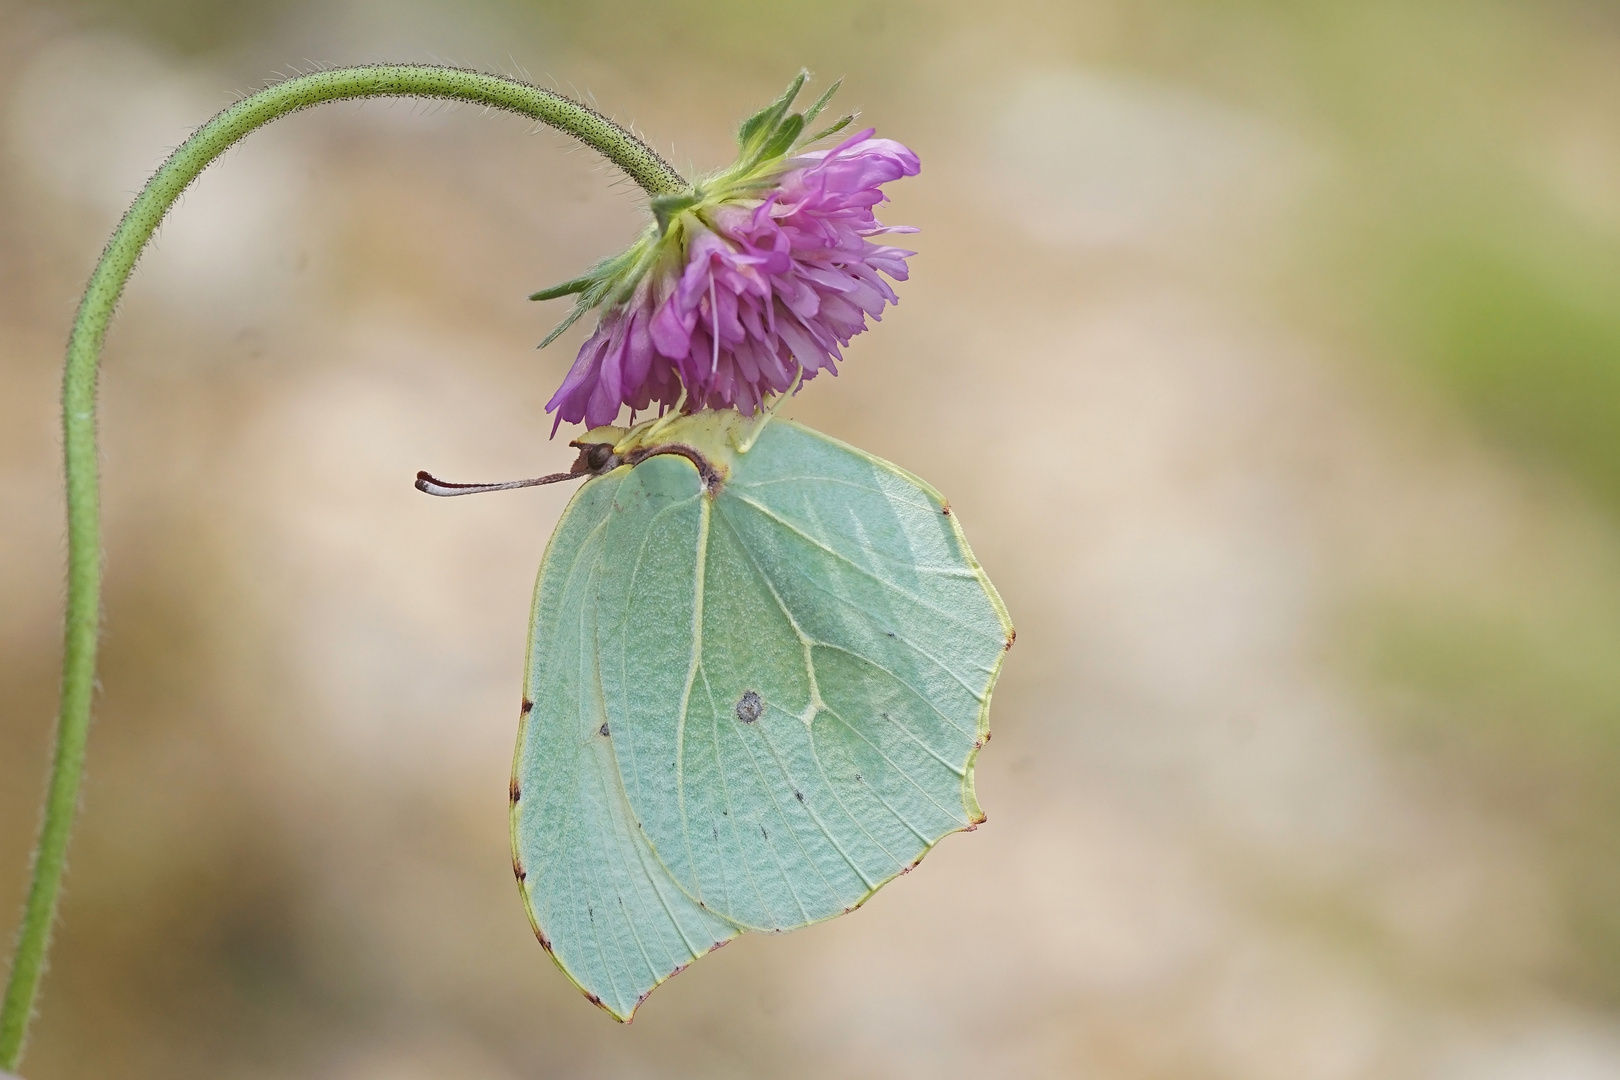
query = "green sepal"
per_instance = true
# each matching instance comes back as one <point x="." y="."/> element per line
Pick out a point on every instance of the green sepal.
<point x="843" y="123"/>
<point x="665" y="207"/>
<point x="568" y="288"/>
<point x="608" y="282"/>
<point x="569" y="320"/>
<point x="814" y="111"/>
<point x="592" y="288"/>
<point x="758" y="127"/>
<point x="783" y="137"/>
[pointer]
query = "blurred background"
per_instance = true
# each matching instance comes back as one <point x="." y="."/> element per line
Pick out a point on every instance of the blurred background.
<point x="1268" y="349"/>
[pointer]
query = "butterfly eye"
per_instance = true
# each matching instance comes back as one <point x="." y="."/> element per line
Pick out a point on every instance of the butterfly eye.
<point x="594" y="459"/>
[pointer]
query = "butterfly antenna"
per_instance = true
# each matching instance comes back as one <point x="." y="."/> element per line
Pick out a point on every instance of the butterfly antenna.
<point x="434" y="486"/>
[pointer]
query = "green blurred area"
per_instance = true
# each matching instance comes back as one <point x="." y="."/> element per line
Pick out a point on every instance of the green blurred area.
<point x="1527" y="336"/>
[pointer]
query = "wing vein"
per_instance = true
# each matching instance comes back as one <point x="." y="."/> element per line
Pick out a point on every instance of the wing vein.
<point x="693" y="664"/>
<point x="901" y="772"/>
<point x="892" y="586"/>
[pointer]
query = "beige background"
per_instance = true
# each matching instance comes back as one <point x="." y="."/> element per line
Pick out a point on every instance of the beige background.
<point x="1269" y="352"/>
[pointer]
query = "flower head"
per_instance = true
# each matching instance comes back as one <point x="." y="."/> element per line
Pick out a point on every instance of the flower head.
<point x="754" y="275"/>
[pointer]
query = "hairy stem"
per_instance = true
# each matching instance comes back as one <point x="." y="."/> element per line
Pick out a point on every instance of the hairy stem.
<point x="616" y="144"/>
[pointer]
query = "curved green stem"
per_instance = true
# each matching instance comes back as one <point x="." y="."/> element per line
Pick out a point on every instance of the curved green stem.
<point x="616" y="144"/>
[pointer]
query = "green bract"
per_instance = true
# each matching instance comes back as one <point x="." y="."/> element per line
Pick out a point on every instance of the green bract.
<point x="759" y="675"/>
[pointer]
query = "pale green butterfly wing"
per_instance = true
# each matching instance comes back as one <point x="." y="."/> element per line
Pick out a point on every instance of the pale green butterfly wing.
<point x="597" y="895"/>
<point x="811" y="732"/>
<point x="754" y="702"/>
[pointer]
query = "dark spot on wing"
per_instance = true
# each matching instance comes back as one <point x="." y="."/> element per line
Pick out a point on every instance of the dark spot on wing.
<point x="545" y="942"/>
<point x="763" y="833"/>
<point x="858" y="778"/>
<point x="528" y="707"/>
<point x="1012" y="636"/>
<point x="749" y="707"/>
<point x="603" y="730"/>
<point x="715" y="829"/>
<point x="799" y="795"/>
<point x="946" y="510"/>
<point x="515" y="791"/>
<point x="517" y="868"/>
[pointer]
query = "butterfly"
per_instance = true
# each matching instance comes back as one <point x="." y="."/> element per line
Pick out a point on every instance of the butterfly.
<point x="759" y="676"/>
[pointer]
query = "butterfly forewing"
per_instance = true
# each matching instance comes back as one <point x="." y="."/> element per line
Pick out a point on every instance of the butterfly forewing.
<point x="597" y="894"/>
